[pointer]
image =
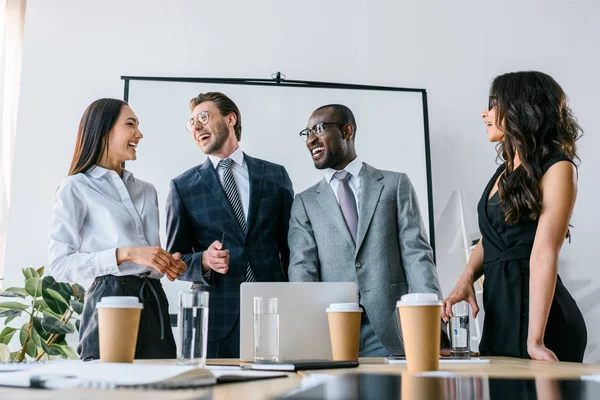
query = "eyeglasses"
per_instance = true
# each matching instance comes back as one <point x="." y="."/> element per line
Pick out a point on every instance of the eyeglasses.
<point x="317" y="130"/>
<point x="202" y="117"/>
<point x="492" y="102"/>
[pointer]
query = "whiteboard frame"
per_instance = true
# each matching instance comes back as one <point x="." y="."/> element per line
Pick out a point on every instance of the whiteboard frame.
<point x="278" y="81"/>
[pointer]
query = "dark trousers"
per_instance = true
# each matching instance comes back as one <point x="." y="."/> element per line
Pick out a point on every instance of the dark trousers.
<point x="228" y="347"/>
<point x="150" y="345"/>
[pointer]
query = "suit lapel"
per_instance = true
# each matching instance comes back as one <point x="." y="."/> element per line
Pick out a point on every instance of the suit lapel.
<point x="370" y="192"/>
<point x="209" y="176"/>
<point x="331" y="208"/>
<point x="255" y="173"/>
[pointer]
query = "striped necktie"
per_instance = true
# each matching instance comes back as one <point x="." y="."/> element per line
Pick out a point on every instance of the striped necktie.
<point x="233" y="196"/>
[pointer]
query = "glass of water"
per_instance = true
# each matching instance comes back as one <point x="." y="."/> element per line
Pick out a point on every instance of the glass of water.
<point x="192" y="322"/>
<point x="460" y="331"/>
<point x="266" y="329"/>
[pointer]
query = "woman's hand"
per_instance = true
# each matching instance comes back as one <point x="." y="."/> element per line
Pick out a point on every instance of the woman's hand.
<point x="150" y="256"/>
<point x="538" y="351"/>
<point x="462" y="291"/>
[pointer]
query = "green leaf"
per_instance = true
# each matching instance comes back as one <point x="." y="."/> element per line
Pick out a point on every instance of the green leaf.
<point x="7" y="293"/>
<point x="36" y="337"/>
<point x="37" y="325"/>
<point x="55" y="305"/>
<point x="52" y="350"/>
<point x="77" y="324"/>
<point x="7" y="334"/>
<point x="8" y="319"/>
<point x="30" y="273"/>
<point x="33" y="287"/>
<point x="78" y="292"/>
<point x="13" y="305"/>
<point x="69" y="352"/>
<point x="31" y="349"/>
<point x="49" y="312"/>
<point x="57" y="296"/>
<point x="12" y="314"/>
<point x="23" y="333"/>
<point x="66" y="290"/>
<point x="40" y="271"/>
<point x="14" y="355"/>
<point x="54" y="325"/>
<point x="77" y="306"/>
<point x="18" y="290"/>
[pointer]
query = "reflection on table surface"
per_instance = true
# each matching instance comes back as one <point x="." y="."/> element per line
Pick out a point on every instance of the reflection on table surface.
<point x="381" y="387"/>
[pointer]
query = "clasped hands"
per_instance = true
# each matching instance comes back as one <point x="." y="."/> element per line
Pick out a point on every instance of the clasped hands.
<point x="154" y="257"/>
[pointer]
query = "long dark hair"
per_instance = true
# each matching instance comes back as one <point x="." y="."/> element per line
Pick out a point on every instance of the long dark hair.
<point x="92" y="137"/>
<point x="532" y="111"/>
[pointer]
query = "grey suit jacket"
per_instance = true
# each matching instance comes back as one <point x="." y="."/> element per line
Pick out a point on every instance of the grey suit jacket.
<point x="390" y="258"/>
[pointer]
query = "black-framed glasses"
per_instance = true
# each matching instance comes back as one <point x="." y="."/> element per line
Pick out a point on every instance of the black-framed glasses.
<point x="317" y="130"/>
<point x="492" y="102"/>
<point x="202" y="117"/>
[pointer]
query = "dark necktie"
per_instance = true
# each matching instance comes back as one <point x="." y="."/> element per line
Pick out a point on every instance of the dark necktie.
<point x="233" y="196"/>
<point x="347" y="202"/>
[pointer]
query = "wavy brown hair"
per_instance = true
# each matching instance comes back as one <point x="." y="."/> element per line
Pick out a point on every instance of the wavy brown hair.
<point x="532" y="111"/>
<point x="92" y="138"/>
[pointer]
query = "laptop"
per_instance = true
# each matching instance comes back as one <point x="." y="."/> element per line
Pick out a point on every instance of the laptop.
<point x="303" y="324"/>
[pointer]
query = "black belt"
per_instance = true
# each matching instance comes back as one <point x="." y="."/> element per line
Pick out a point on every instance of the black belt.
<point x="147" y="283"/>
<point x="514" y="253"/>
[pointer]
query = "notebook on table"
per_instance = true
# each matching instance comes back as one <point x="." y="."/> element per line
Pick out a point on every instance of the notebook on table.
<point x="71" y="374"/>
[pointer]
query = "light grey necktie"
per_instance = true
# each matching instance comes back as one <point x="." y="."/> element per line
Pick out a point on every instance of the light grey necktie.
<point x="347" y="202"/>
<point x="233" y="196"/>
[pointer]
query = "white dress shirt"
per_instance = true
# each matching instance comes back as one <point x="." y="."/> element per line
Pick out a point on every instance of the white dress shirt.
<point x="354" y="169"/>
<point x="95" y="213"/>
<point x="239" y="169"/>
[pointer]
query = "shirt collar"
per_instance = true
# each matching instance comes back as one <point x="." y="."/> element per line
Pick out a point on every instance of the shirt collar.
<point x="96" y="171"/>
<point x="354" y="168"/>
<point x="237" y="156"/>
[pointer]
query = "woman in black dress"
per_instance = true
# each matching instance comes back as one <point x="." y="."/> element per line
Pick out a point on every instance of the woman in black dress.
<point x="524" y="217"/>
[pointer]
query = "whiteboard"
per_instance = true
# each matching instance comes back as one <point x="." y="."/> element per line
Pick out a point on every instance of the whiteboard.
<point x="391" y="131"/>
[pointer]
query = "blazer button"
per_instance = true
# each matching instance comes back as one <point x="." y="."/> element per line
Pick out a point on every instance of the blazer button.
<point x="358" y="265"/>
<point x="248" y="248"/>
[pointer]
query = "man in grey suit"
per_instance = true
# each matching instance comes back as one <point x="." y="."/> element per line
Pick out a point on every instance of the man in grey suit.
<point x="362" y="225"/>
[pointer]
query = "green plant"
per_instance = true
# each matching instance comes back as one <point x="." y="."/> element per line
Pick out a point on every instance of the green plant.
<point x="50" y="308"/>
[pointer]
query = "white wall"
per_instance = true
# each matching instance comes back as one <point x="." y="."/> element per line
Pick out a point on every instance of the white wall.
<point x="75" y="51"/>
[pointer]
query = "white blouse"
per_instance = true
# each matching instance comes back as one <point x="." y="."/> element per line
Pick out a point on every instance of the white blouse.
<point x="95" y="213"/>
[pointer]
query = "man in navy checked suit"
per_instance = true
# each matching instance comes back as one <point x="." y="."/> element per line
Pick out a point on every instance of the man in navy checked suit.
<point x="201" y="209"/>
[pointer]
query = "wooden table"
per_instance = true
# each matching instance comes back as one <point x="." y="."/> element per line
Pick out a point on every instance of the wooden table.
<point x="266" y="389"/>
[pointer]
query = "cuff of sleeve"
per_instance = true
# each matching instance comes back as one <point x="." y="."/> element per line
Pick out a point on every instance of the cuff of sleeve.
<point x="106" y="261"/>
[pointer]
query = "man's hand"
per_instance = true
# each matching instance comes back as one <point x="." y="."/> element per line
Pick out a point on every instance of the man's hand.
<point x="216" y="259"/>
<point x="176" y="268"/>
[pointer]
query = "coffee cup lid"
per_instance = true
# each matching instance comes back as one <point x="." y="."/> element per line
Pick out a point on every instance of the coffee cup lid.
<point x="119" y="302"/>
<point x="419" y="299"/>
<point x="344" y="307"/>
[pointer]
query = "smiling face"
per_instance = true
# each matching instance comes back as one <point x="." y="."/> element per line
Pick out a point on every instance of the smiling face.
<point x="334" y="148"/>
<point x="123" y="138"/>
<point x="493" y="131"/>
<point x="212" y="136"/>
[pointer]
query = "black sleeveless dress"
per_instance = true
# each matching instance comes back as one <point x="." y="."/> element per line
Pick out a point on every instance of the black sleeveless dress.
<point x="507" y="249"/>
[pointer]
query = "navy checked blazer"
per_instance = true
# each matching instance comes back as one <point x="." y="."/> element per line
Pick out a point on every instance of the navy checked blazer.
<point x="198" y="213"/>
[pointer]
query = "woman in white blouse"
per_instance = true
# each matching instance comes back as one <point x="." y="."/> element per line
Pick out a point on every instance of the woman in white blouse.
<point x="105" y="227"/>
